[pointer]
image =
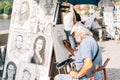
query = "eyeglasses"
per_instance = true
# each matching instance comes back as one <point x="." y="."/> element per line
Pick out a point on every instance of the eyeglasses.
<point x="11" y="69"/>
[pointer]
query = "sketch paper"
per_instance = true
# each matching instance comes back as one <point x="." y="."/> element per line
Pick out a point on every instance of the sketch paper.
<point x="26" y="71"/>
<point x="10" y="70"/>
<point x="20" y="47"/>
<point x="58" y="35"/>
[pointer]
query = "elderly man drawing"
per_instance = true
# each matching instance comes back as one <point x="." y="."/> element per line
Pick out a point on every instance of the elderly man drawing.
<point x="84" y="56"/>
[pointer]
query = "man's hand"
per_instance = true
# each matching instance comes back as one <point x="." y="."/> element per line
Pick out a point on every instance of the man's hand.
<point x="74" y="74"/>
<point x="66" y="43"/>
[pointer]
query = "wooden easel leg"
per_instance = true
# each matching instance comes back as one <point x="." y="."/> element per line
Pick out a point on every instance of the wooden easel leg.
<point x="52" y="62"/>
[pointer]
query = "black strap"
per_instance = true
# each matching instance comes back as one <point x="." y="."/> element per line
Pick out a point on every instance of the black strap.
<point x="96" y="53"/>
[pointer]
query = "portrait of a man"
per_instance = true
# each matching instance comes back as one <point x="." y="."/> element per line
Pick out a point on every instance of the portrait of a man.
<point x="26" y="75"/>
<point x="26" y="71"/>
<point x="19" y="51"/>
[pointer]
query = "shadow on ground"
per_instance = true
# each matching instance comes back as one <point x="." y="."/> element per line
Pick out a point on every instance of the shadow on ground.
<point x="113" y="74"/>
<point x="102" y="49"/>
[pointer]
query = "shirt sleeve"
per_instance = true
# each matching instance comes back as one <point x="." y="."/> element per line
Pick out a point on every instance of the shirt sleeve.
<point x="86" y="51"/>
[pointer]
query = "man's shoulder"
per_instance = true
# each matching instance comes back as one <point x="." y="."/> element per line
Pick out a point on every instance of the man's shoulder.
<point x="87" y="39"/>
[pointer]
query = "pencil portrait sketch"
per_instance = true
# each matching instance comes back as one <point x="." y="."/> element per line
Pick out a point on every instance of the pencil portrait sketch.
<point x="58" y="36"/>
<point x="31" y="25"/>
<point x="15" y="14"/>
<point x="44" y="27"/>
<point x="37" y="10"/>
<point x="20" y="14"/>
<point x="48" y="6"/>
<point x="26" y="75"/>
<point x="26" y="71"/>
<point x="42" y="46"/>
<point x="36" y="15"/>
<point x="48" y="27"/>
<point x="10" y="71"/>
<point x="19" y="50"/>
<point x="39" y="50"/>
<point x="41" y="27"/>
<point x="24" y="12"/>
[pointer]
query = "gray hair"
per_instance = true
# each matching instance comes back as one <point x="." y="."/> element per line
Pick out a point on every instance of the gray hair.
<point x="85" y="33"/>
<point x="80" y="29"/>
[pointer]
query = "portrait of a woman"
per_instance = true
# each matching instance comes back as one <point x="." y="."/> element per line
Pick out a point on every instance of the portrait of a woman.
<point x="24" y="12"/>
<point x="39" y="50"/>
<point x="10" y="71"/>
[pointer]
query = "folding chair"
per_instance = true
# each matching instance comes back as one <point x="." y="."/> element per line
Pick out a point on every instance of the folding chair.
<point x="99" y="68"/>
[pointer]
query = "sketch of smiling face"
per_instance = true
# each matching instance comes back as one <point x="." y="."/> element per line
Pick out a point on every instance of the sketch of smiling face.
<point x="39" y="44"/>
<point x="11" y="70"/>
<point x="26" y="75"/>
<point x="19" y="42"/>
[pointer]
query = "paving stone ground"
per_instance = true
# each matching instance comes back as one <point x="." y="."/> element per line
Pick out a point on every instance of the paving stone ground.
<point x="111" y="49"/>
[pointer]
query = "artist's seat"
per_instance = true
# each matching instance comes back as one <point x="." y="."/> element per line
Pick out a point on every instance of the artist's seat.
<point x="99" y="68"/>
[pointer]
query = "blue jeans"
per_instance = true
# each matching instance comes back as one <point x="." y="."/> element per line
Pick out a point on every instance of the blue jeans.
<point x="71" y="39"/>
<point x="68" y="77"/>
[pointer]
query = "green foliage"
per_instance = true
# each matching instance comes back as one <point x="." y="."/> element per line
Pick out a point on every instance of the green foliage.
<point x="6" y="7"/>
<point x="2" y="7"/>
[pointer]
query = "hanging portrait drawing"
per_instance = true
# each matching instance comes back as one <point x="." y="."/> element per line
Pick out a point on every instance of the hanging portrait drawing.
<point x="30" y="40"/>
